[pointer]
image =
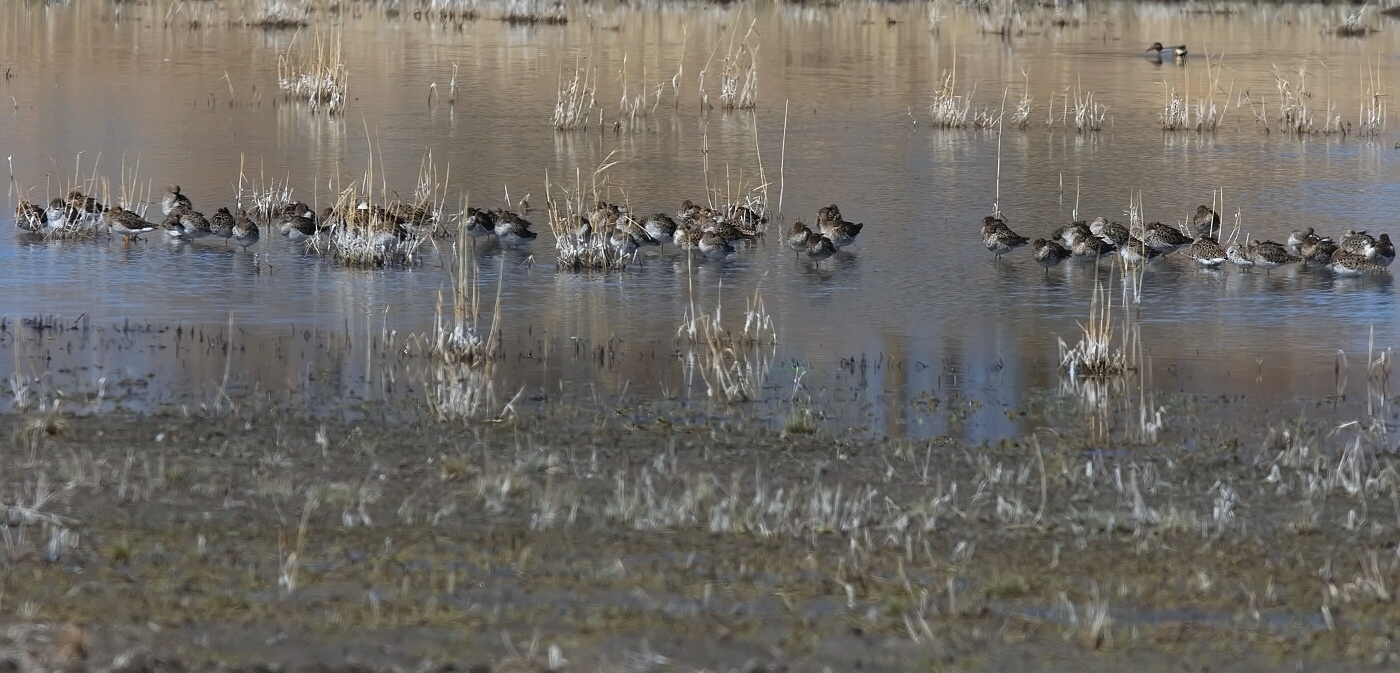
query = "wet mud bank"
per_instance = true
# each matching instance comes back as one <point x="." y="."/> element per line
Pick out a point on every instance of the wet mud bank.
<point x="596" y="537"/>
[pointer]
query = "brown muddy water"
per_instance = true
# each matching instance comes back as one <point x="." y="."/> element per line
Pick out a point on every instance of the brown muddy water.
<point x="260" y="453"/>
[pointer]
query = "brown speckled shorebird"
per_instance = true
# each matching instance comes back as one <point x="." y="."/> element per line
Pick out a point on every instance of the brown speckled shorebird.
<point x="221" y="224"/>
<point x="245" y="231"/>
<point x="174" y="199"/>
<point x="1207" y="252"/>
<point x="126" y="223"/>
<point x="819" y="247"/>
<point x="797" y="236"/>
<point x="1347" y="263"/>
<point x="999" y="238"/>
<point x="1048" y="253"/>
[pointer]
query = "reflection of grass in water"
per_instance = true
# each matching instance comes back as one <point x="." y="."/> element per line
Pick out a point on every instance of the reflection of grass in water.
<point x="801" y="417"/>
<point x="463" y="386"/>
<point x="1353" y="24"/>
<point x="733" y="365"/>
<point x="549" y="12"/>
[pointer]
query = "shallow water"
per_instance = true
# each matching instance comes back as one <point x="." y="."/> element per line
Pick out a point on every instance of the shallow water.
<point x="102" y="89"/>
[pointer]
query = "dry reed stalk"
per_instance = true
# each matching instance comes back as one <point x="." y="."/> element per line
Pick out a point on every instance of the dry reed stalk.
<point x="1370" y="119"/>
<point x="132" y="196"/>
<point x="320" y="78"/>
<point x="1178" y="109"/>
<point x="576" y="98"/>
<point x="1296" y="115"/>
<point x="782" y="159"/>
<point x="1089" y="116"/>
<point x="738" y="80"/>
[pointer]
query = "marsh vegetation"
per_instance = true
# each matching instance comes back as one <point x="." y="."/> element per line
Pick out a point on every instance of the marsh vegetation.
<point x="404" y="438"/>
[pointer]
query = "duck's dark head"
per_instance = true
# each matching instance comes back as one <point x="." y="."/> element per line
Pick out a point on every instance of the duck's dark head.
<point x="1156" y="46"/>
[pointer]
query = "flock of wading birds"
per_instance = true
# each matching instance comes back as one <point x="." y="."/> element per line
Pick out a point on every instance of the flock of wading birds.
<point x="79" y="215"/>
<point x="1355" y="253"/>
<point x="712" y="233"/>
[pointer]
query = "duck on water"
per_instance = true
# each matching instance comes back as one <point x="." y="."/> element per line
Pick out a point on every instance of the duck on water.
<point x="1159" y="53"/>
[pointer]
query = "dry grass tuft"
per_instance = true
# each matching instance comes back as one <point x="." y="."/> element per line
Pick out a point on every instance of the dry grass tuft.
<point x="361" y="234"/>
<point x="576" y="98"/>
<point x="738" y="80"/>
<point x="952" y="110"/>
<point x="1089" y="115"/>
<point x="281" y="15"/>
<point x="32" y="433"/>
<point x="1203" y="115"/>
<point x="1000" y="17"/>
<point x="265" y="196"/>
<point x="1097" y="354"/>
<point x="319" y="78"/>
<point x="533" y="12"/>
<point x="1295" y="113"/>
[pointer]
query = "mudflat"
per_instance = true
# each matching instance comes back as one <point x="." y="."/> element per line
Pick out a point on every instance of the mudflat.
<point x="680" y="536"/>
